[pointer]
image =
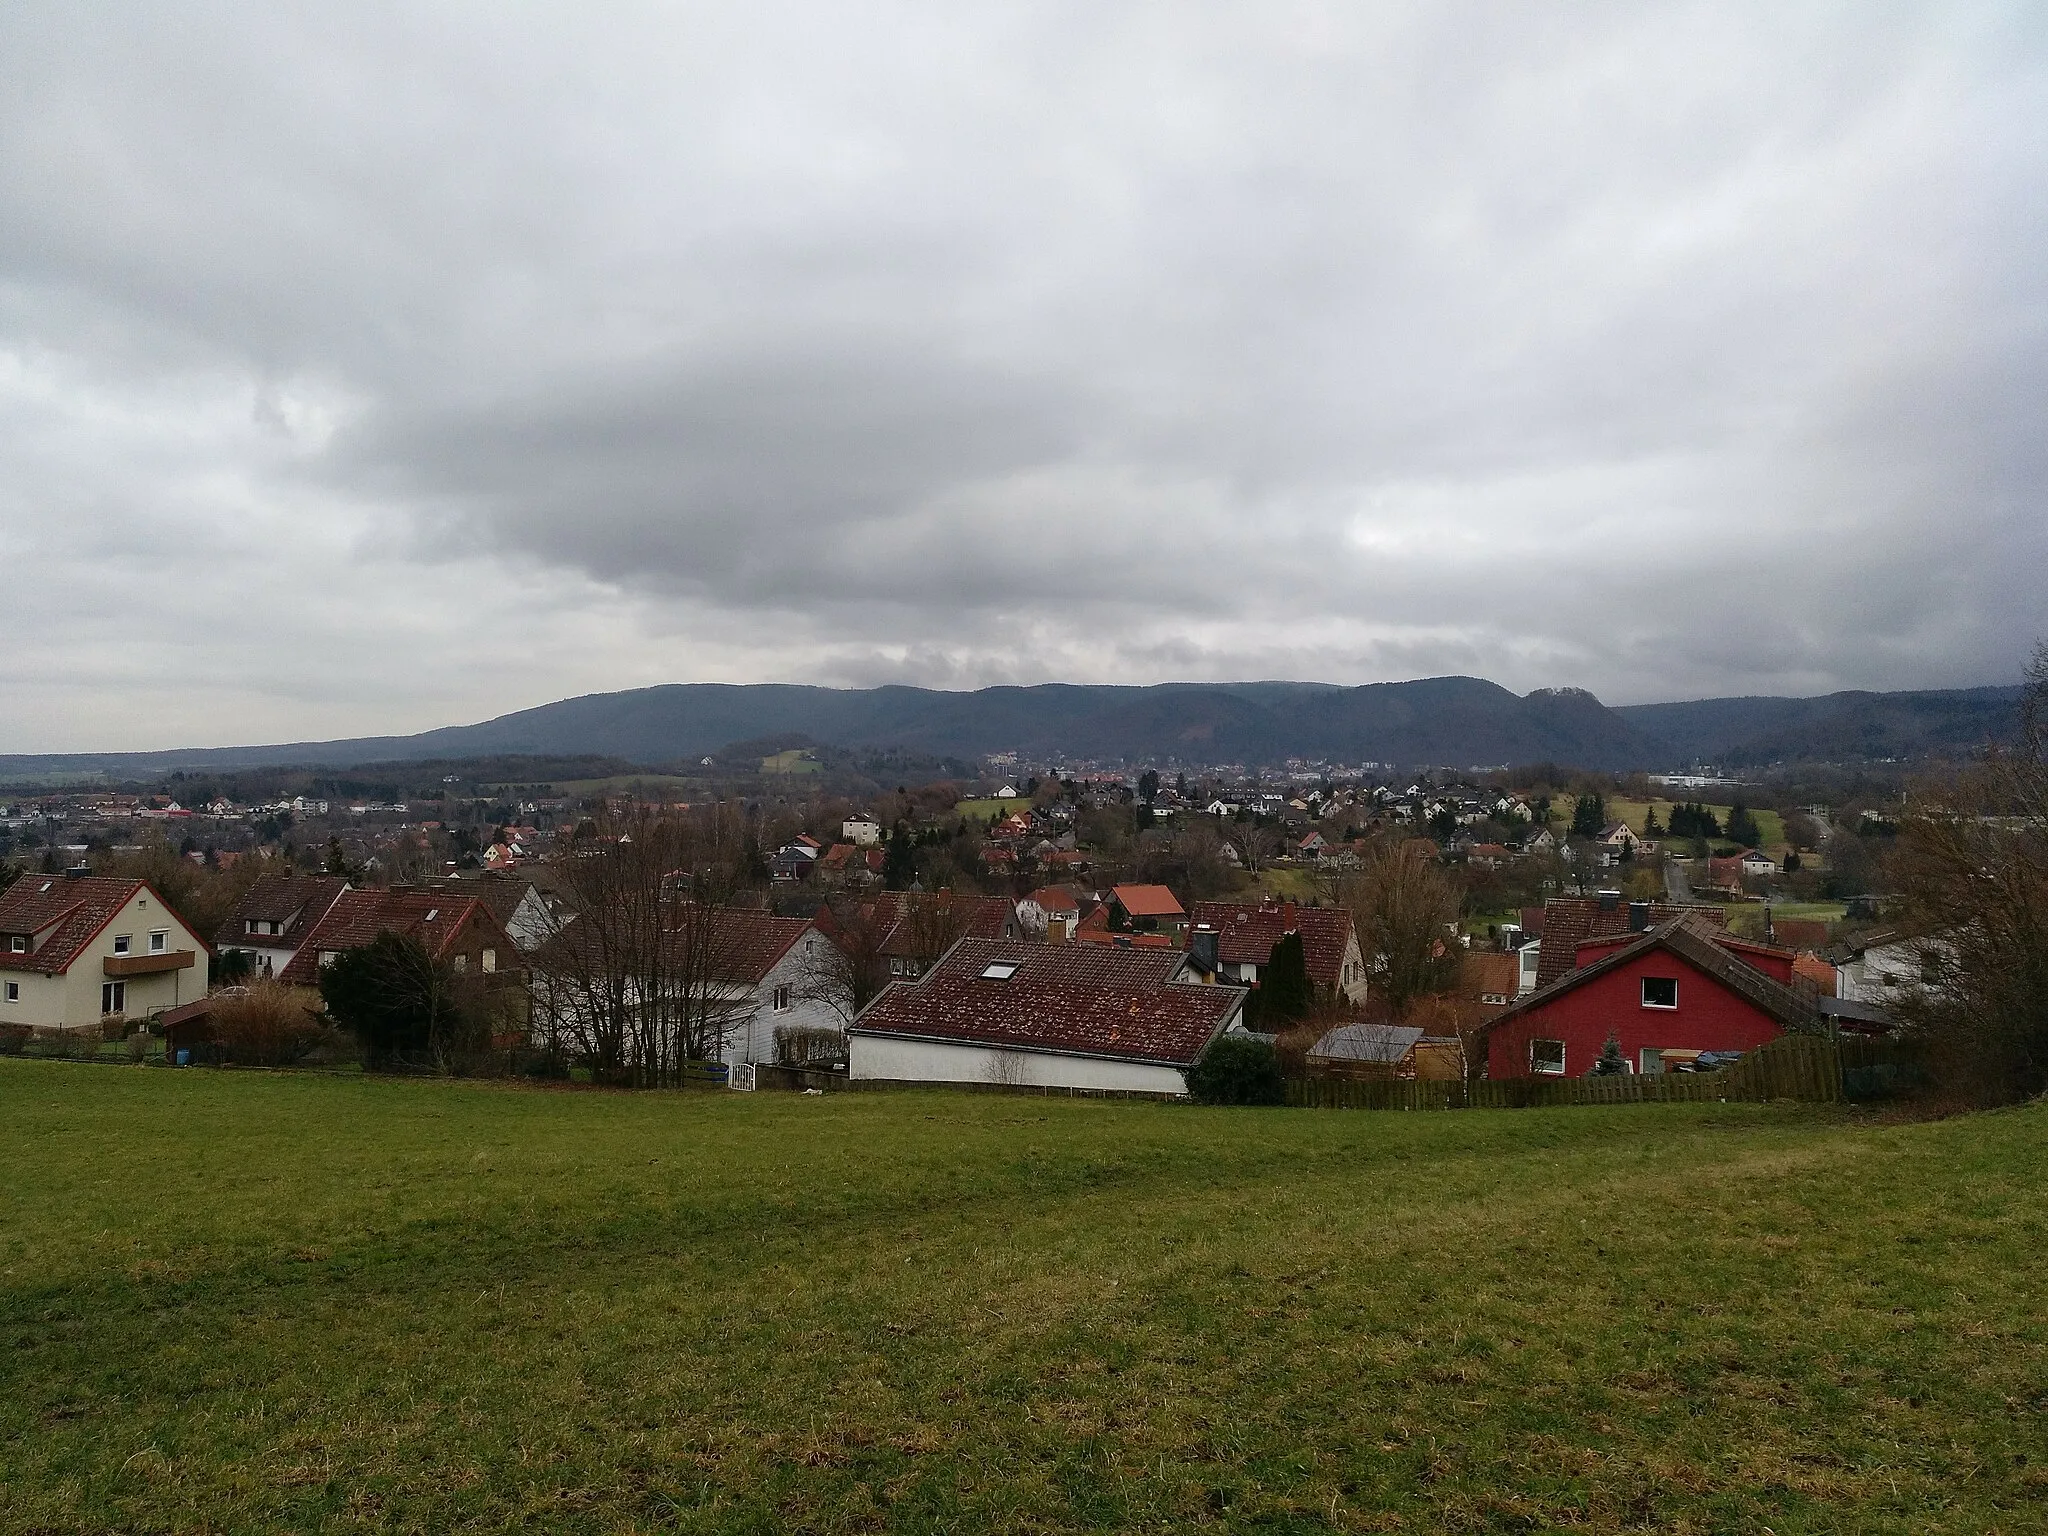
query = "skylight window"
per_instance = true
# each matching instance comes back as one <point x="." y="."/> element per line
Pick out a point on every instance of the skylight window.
<point x="432" y="913"/>
<point x="1000" y="970"/>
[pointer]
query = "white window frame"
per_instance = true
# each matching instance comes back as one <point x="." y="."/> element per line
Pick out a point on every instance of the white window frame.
<point x="122" y="943"/>
<point x="20" y="944"/>
<point x="490" y="960"/>
<point x="12" y="993"/>
<point x="1538" y="1070"/>
<point x="461" y="965"/>
<point x="778" y="998"/>
<point x="1661" y="1007"/>
<point x="113" y="998"/>
<point x="160" y="941"/>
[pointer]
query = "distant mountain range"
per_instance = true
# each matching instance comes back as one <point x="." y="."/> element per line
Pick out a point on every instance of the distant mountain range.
<point x="1444" y="721"/>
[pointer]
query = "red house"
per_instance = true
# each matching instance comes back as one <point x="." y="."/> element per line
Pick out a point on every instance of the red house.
<point x="1665" y="994"/>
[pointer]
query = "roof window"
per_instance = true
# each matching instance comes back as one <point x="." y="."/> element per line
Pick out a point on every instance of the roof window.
<point x="432" y="913"/>
<point x="1000" y="970"/>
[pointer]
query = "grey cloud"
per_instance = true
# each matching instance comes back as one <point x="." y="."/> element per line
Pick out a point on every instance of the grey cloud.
<point x="1661" y="352"/>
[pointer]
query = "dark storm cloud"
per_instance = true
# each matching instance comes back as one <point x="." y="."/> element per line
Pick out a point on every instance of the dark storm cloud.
<point x="1663" y="352"/>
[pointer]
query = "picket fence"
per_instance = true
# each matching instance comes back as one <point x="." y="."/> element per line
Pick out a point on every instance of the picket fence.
<point x="1813" y="1068"/>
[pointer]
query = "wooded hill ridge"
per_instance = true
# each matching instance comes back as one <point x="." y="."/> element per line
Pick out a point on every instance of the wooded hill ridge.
<point x="1458" y="722"/>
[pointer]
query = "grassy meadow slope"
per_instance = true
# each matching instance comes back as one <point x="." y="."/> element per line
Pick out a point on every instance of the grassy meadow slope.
<point x="241" y="1301"/>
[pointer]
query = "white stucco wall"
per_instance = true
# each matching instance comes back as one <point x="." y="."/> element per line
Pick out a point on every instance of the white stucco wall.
<point x="72" y="1001"/>
<point x="882" y="1059"/>
<point x="752" y="1038"/>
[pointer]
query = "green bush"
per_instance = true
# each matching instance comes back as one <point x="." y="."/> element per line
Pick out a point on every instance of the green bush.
<point x="1238" y="1069"/>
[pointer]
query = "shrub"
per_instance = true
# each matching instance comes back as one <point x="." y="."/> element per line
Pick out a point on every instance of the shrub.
<point x="1238" y="1069"/>
<point x="264" y="1026"/>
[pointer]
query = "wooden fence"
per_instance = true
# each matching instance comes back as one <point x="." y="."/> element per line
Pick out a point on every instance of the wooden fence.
<point x="1813" y="1068"/>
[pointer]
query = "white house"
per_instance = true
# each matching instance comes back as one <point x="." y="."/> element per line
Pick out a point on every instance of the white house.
<point x="76" y="949"/>
<point x="863" y="831"/>
<point x="1083" y="1016"/>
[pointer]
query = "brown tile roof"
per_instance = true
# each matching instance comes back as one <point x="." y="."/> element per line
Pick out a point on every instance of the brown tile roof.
<point x="1247" y="931"/>
<point x="1683" y="936"/>
<point x="1799" y="933"/>
<point x="1084" y="1000"/>
<point x="74" y="909"/>
<point x="1148" y="901"/>
<point x="1568" y="921"/>
<point x="435" y="918"/>
<point x="1055" y="898"/>
<point x="297" y="901"/>
<point x="1491" y="974"/>
<point x="978" y="917"/>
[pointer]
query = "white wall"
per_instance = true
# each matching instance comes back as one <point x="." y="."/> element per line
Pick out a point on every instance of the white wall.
<point x="752" y="1039"/>
<point x="73" y="999"/>
<point x="882" y="1059"/>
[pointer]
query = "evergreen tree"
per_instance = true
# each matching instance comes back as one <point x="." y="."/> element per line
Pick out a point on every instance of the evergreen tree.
<point x="1589" y="816"/>
<point x="899" y="861"/>
<point x="1610" y="1063"/>
<point x="1650" y="827"/>
<point x="1742" y="827"/>
<point x="1285" y="993"/>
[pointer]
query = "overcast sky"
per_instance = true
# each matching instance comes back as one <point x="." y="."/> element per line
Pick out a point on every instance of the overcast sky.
<point x="364" y="369"/>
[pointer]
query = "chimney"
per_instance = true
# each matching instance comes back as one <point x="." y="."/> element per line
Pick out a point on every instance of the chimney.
<point x="1638" y="916"/>
<point x="1610" y="901"/>
<point x="1202" y="947"/>
<point x="1057" y="931"/>
<point x="77" y="871"/>
<point x="1289" y="918"/>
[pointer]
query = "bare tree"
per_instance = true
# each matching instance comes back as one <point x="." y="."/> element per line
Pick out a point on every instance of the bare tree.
<point x="930" y="924"/>
<point x="1972" y="869"/>
<point x="645" y="978"/>
<point x="851" y="971"/>
<point x="1406" y="912"/>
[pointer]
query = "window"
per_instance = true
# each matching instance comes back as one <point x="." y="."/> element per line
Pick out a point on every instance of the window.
<point x="1000" y="970"/>
<point x="1546" y="1056"/>
<point x="159" y="942"/>
<point x="20" y="944"/>
<point x="461" y="964"/>
<point x="1660" y="991"/>
<point x="13" y="992"/>
<point x="490" y="960"/>
<point x="326" y="958"/>
<point x="113" y="997"/>
<point x="120" y="943"/>
<point x="779" y="999"/>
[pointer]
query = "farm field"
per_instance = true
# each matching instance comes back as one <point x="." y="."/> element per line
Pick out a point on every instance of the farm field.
<point x="239" y="1301"/>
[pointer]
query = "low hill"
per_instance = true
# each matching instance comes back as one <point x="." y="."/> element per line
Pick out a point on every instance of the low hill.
<point x="1456" y="722"/>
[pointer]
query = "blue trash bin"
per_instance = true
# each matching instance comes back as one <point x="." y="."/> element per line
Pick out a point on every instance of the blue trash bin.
<point x="184" y="1058"/>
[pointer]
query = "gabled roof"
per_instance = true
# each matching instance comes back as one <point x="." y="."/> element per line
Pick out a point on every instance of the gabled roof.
<point x="1055" y="898"/>
<point x="1079" y="1000"/>
<point x="74" y="909"/>
<point x="1568" y="921"/>
<point x="979" y="917"/>
<point x="280" y="898"/>
<point x="435" y="918"/>
<point x="1247" y="931"/>
<point x="1680" y="938"/>
<point x="1147" y="901"/>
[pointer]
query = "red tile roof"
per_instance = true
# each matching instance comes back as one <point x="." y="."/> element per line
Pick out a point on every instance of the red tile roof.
<point x="1246" y="933"/>
<point x="1054" y="898"/>
<point x="435" y="918"/>
<point x="978" y="917"/>
<point x="69" y="911"/>
<point x="1086" y="1000"/>
<point x="1148" y="901"/>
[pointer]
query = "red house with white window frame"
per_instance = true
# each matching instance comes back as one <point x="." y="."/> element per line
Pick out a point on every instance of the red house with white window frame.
<point x="1665" y="994"/>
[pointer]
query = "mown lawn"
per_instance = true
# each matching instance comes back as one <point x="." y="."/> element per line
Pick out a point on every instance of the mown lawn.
<point x="241" y="1302"/>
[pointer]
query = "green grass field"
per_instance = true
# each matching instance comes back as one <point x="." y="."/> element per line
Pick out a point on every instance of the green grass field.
<point x="263" y="1302"/>
<point x="1634" y="812"/>
<point x="990" y="808"/>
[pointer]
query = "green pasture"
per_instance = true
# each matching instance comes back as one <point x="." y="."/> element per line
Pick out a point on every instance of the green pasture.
<point x="243" y="1302"/>
<point x="1636" y="812"/>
